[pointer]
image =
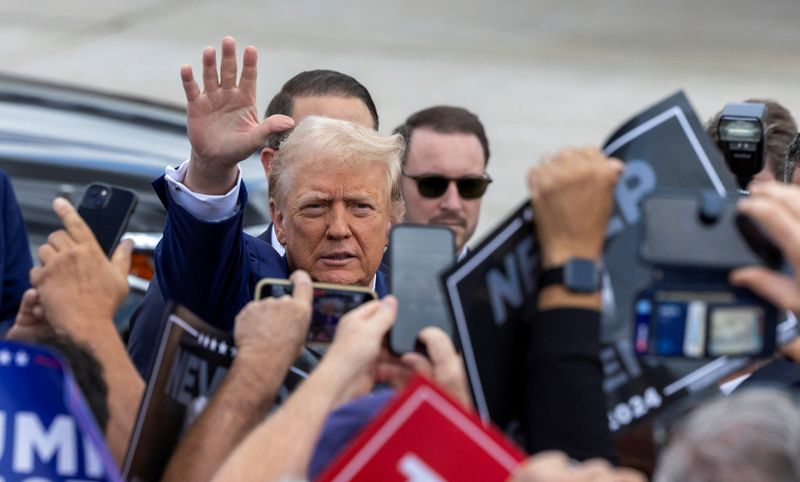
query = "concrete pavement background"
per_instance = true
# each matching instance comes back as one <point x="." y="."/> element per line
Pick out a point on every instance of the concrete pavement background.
<point x="540" y="73"/>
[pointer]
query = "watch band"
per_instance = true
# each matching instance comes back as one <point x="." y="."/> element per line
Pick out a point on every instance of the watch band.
<point x="579" y="275"/>
<point x="551" y="276"/>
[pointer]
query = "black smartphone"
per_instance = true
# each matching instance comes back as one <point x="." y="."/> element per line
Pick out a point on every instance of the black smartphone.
<point x="107" y="210"/>
<point x="331" y="302"/>
<point x="417" y="256"/>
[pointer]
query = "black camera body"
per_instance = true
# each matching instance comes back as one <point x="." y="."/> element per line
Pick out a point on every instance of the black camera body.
<point x="689" y="309"/>
<point x="741" y="132"/>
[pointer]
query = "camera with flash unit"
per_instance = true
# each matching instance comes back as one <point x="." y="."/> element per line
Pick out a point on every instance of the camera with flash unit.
<point x="741" y="137"/>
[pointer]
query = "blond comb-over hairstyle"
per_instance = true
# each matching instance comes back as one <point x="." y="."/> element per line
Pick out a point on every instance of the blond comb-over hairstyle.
<point x="315" y="138"/>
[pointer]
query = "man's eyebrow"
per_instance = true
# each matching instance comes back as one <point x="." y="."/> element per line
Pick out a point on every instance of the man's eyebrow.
<point x="313" y="196"/>
<point x="358" y="196"/>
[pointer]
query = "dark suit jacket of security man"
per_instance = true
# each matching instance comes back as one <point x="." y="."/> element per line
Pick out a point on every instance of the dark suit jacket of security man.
<point x="209" y="267"/>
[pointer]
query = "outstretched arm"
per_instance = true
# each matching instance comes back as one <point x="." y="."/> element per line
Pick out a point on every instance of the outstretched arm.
<point x="281" y="446"/>
<point x="224" y="129"/>
<point x="269" y="335"/>
<point x="223" y="123"/>
<point x="79" y="290"/>
<point x="572" y="196"/>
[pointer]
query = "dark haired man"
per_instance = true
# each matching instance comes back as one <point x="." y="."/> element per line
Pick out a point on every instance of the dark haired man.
<point x="324" y="93"/>
<point x="444" y="169"/>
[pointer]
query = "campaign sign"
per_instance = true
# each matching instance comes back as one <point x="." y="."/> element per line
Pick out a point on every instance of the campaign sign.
<point x="424" y="435"/>
<point x="48" y="431"/>
<point x="640" y="388"/>
<point x="191" y="361"/>
<point x="492" y="291"/>
<point x="663" y="147"/>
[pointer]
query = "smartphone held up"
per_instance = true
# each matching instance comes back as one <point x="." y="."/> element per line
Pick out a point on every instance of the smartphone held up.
<point x="106" y="209"/>
<point x="330" y="303"/>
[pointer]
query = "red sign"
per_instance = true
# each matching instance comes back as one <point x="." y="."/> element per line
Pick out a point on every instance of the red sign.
<point x="425" y="436"/>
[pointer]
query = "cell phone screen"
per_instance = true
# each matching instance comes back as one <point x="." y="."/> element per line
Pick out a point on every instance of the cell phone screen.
<point x="417" y="256"/>
<point x="331" y="302"/>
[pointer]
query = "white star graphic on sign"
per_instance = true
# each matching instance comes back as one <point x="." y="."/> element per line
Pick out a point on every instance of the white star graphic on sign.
<point x="5" y="357"/>
<point x="223" y="348"/>
<point x="22" y="358"/>
<point x="213" y="344"/>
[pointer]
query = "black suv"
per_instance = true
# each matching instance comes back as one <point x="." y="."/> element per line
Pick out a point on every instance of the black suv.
<point x="55" y="140"/>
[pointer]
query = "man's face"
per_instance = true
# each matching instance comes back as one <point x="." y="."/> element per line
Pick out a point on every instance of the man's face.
<point x="344" y="108"/>
<point x="334" y="222"/>
<point x="451" y="155"/>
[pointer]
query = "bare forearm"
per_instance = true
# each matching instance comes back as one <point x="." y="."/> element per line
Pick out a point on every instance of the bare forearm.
<point x="241" y="402"/>
<point x="552" y="297"/>
<point x="282" y="444"/>
<point x="125" y="387"/>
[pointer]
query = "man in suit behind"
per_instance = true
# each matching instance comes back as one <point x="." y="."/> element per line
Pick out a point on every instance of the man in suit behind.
<point x="202" y="195"/>
<point x="444" y="169"/>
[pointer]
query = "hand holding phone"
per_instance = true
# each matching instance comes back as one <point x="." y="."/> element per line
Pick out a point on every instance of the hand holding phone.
<point x="106" y="210"/>
<point x="331" y="302"/>
<point x="276" y="327"/>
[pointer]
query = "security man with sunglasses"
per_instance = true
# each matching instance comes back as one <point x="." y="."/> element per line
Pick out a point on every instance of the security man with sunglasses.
<point x="444" y="169"/>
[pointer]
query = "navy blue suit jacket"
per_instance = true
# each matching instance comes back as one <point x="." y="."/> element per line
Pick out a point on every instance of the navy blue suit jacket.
<point x="209" y="267"/>
<point x="15" y="255"/>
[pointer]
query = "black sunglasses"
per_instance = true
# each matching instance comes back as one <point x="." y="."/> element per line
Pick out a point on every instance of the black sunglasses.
<point x="433" y="186"/>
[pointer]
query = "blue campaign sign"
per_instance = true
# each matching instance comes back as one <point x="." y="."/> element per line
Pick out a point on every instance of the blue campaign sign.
<point x="48" y="433"/>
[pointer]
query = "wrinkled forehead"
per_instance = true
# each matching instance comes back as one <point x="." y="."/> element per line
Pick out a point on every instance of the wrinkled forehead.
<point x="355" y="176"/>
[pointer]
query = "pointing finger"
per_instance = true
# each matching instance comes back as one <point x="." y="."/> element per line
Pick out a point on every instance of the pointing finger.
<point x="74" y="224"/>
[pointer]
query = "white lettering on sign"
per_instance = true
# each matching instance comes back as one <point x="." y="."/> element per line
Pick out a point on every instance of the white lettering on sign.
<point x="59" y="441"/>
<point x="637" y="181"/>
<point x="192" y="376"/>
<point x="636" y="407"/>
<point x="34" y="445"/>
<point x="415" y="470"/>
<point x="511" y="285"/>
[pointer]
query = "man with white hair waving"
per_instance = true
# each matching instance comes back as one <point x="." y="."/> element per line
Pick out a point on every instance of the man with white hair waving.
<point x="333" y="196"/>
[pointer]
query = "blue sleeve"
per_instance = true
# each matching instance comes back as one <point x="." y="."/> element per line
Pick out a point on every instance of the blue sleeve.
<point x="203" y="265"/>
<point x="15" y="255"/>
<point x="145" y="328"/>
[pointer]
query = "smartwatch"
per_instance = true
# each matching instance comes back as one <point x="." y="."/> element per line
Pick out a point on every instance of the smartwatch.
<point x="579" y="275"/>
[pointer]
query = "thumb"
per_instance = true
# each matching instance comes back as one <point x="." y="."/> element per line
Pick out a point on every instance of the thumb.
<point x="30" y="299"/>
<point x="121" y="259"/>
<point x="418" y="363"/>
<point x="275" y="123"/>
